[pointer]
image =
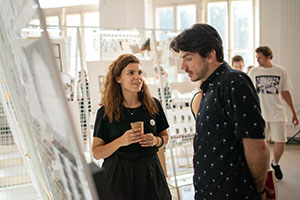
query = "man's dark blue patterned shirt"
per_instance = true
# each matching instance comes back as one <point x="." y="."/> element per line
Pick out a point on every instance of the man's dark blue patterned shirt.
<point x="229" y="111"/>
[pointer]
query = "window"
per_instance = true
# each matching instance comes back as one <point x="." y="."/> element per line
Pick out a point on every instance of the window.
<point x="34" y="22"/>
<point x="242" y="30"/>
<point x="233" y="19"/>
<point x="241" y="37"/>
<point x="73" y="20"/>
<point x="74" y="15"/>
<point x="63" y="3"/>
<point x="217" y="17"/>
<point x="164" y="20"/>
<point x="91" y="36"/>
<point x="186" y="16"/>
<point x="52" y="20"/>
<point x="57" y="55"/>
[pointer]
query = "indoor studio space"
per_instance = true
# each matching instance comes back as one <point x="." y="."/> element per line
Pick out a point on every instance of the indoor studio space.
<point x="67" y="102"/>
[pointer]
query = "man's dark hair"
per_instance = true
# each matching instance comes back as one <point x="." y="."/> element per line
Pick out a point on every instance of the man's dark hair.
<point x="237" y="58"/>
<point x="200" y="38"/>
<point x="265" y="50"/>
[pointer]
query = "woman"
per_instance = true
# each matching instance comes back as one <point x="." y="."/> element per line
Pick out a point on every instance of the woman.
<point x="132" y="170"/>
<point x="196" y="100"/>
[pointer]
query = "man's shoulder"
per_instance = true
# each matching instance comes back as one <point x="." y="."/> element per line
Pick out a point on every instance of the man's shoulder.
<point x="235" y="78"/>
<point x="258" y="70"/>
<point x="254" y="69"/>
<point x="278" y="67"/>
<point x="233" y="74"/>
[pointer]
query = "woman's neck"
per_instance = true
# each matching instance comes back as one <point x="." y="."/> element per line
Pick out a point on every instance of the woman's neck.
<point x="131" y="101"/>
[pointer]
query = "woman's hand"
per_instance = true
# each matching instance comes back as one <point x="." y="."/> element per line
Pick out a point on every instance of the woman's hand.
<point x="149" y="140"/>
<point x="131" y="136"/>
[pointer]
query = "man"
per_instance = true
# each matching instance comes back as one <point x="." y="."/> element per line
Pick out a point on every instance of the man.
<point x="272" y="85"/>
<point x="231" y="155"/>
<point x="238" y="63"/>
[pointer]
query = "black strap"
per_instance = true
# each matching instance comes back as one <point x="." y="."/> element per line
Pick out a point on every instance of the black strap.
<point x="162" y="141"/>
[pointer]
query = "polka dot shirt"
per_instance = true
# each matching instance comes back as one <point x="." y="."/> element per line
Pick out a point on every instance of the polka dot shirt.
<point x="229" y="111"/>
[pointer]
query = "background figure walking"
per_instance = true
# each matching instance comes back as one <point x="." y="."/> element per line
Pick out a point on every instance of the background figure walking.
<point x="273" y="84"/>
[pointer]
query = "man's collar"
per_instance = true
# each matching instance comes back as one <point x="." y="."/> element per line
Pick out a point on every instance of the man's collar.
<point x="214" y="75"/>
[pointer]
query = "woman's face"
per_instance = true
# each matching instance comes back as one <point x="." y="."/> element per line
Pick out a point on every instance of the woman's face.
<point x="131" y="79"/>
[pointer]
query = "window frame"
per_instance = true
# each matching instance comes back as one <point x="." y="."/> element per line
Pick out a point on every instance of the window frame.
<point x="174" y="4"/>
<point x="202" y="17"/>
<point x="81" y="10"/>
<point x="255" y="28"/>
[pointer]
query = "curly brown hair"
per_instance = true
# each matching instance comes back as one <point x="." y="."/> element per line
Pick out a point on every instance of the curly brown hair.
<point x="112" y="96"/>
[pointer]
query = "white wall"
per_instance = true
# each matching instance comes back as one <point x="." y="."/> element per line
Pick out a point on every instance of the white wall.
<point x="270" y="25"/>
<point x="122" y="13"/>
<point x="290" y="43"/>
<point x="149" y="14"/>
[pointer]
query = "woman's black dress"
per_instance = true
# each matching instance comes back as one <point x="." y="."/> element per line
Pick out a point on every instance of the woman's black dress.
<point x="132" y="172"/>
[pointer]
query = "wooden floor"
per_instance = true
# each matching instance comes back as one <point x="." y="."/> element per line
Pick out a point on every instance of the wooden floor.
<point x="289" y="186"/>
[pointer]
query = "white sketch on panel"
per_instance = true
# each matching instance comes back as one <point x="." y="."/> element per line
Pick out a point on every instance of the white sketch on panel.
<point x="56" y="125"/>
<point x="54" y="117"/>
<point x="101" y="80"/>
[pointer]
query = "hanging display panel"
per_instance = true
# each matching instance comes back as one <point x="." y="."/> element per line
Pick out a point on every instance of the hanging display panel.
<point x="40" y="110"/>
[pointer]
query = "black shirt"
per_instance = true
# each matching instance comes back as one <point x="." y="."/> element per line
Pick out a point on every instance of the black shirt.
<point x="229" y="111"/>
<point x="132" y="172"/>
<point x="111" y="131"/>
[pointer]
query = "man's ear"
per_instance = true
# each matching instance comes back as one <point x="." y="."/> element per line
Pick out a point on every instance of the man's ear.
<point x="211" y="57"/>
<point x="118" y="79"/>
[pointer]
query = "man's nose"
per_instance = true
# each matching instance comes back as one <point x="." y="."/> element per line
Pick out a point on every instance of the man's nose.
<point x="183" y="66"/>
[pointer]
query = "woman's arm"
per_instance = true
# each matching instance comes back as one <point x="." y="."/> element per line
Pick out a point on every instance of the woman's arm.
<point x="150" y="140"/>
<point x="196" y="103"/>
<point x="165" y="135"/>
<point x="102" y="150"/>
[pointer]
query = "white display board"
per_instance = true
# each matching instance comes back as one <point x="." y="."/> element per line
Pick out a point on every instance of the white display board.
<point x="40" y="108"/>
<point x="96" y="76"/>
